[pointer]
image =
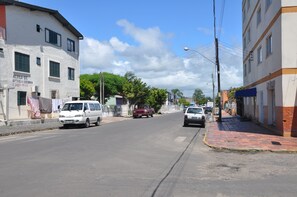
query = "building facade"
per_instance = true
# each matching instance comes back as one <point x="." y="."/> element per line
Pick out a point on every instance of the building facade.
<point x="270" y="63"/>
<point x="39" y="57"/>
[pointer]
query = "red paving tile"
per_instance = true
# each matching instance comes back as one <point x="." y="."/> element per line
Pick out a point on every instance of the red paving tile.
<point x="233" y="134"/>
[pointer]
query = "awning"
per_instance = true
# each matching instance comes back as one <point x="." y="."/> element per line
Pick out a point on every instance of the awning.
<point x="246" y="93"/>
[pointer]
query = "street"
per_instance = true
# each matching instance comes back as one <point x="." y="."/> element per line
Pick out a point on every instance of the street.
<point x="138" y="157"/>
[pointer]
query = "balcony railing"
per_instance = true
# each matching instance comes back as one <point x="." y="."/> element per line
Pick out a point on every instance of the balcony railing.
<point x="2" y="33"/>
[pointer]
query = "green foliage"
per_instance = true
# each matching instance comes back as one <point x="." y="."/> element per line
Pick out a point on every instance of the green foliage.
<point x="157" y="98"/>
<point x="184" y="102"/>
<point x="135" y="90"/>
<point x="87" y="89"/>
<point x="199" y="97"/>
<point x="176" y="94"/>
<point x="113" y="84"/>
<point x="231" y="93"/>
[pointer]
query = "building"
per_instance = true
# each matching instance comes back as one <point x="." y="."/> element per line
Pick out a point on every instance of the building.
<point x="39" y="57"/>
<point x="270" y="64"/>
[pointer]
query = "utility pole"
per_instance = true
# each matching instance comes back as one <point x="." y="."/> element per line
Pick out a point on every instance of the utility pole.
<point x="101" y="88"/>
<point x="217" y="61"/>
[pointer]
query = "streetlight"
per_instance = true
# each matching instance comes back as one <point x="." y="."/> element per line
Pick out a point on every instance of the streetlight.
<point x="213" y="86"/>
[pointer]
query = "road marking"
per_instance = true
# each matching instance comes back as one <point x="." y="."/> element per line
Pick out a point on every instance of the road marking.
<point x="180" y="139"/>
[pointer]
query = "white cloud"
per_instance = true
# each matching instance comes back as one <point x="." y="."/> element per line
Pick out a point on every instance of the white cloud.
<point x="151" y="60"/>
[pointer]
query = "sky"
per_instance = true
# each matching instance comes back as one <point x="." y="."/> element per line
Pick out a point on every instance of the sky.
<point x="148" y="38"/>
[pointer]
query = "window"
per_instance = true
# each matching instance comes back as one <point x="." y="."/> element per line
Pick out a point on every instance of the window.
<point x="269" y="45"/>
<point x="52" y="37"/>
<point x="70" y="45"/>
<point x="243" y="15"/>
<point x="54" y="94"/>
<point x="244" y="70"/>
<point x="38" y="61"/>
<point x="259" y="55"/>
<point x="268" y="3"/>
<point x="22" y="62"/>
<point x="54" y="69"/>
<point x="70" y="73"/>
<point x="21" y="98"/>
<point x="259" y="19"/>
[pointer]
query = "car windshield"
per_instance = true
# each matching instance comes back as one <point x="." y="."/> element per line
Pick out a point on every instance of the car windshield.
<point x="72" y="106"/>
<point x="194" y="110"/>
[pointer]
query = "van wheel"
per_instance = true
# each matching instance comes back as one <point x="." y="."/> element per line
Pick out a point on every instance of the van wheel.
<point x="87" y="123"/>
<point x="97" y="122"/>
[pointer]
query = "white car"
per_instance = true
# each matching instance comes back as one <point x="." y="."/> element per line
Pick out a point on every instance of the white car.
<point x="194" y="115"/>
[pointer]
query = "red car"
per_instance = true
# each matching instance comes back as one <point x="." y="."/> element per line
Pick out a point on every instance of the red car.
<point x="143" y="111"/>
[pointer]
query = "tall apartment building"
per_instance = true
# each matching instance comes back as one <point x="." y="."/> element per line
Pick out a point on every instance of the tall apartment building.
<point x="39" y="56"/>
<point x="270" y="63"/>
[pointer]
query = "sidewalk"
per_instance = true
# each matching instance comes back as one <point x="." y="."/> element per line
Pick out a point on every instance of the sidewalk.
<point x="233" y="134"/>
<point x="49" y="124"/>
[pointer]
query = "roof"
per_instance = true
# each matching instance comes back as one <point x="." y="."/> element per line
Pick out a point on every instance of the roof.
<point x="54" y="13"/>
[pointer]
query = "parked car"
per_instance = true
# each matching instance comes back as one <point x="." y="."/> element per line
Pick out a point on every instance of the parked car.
<point x="143" y="111"/>
<point x="194" y="115"/>
<point x="208" y="110"/>
<point x="81" y="112"/>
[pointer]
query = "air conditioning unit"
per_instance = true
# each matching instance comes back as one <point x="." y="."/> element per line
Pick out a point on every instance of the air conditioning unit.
<point x="34" y="88"/>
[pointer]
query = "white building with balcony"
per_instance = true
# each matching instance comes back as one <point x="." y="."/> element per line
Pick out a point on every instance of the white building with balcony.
<point x="270" y="63"/>
<point x="39" y="57"/>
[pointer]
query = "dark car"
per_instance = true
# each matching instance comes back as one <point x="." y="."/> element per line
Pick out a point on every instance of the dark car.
<point x="143" y="111"/>
<point x="194" y="115"/>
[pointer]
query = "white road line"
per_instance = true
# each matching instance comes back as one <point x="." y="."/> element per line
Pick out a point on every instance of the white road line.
<point x="180" y="139"/>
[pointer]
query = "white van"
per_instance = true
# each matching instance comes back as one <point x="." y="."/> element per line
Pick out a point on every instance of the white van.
<point x="81" y="112"/>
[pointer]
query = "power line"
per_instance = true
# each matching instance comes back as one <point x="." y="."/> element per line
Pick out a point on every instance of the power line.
<point x="221" y="18"/>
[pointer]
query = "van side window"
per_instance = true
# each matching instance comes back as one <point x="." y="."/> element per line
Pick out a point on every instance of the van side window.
<point x="92" y="107"/>
<point x="97" y="106"/>
<point x="86" y="106"/>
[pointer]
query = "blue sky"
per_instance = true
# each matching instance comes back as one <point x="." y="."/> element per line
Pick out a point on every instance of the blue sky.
<point x="148" y="37"/>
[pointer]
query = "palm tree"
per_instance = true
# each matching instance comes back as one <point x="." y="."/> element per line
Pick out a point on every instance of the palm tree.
<point x="176" y="94"/>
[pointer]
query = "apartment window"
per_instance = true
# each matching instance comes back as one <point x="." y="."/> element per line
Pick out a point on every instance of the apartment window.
<point x="21" y="98"/>
<point x="54" y="94"/>
<point x="259" y="55"/>
<point x="22" y="62"/>
<point x="52" y="37"/>
<point x="70" y="73"/>
<point x="244" y="43"/>
<point x="243" y="15"/>
<point x="244" y="70"/>
<point x="268" y="3"/>
<point x="70" y="45"/>
<point x="54" y="69"/>
<point x="38" y="61"/>
<point x="259" y="19"/>
<point x="268" y="45"/>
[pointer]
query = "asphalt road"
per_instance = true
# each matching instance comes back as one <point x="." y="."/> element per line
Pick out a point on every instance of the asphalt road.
<point x="138" y="157"/>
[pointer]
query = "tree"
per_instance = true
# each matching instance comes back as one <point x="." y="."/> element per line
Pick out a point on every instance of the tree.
<point x="199" y="97"/>
<point x="184" y="102"/>
<point x="113" y="84"/>
<point x="135" y="90"/>
<point x="87" y="89"/>
<point x="157" y="97"/>
<point x="231" y="93"/>
<point x="176" y="94"/>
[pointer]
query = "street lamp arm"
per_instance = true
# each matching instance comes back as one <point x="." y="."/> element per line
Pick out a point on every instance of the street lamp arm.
<point x="188" y="49"/>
